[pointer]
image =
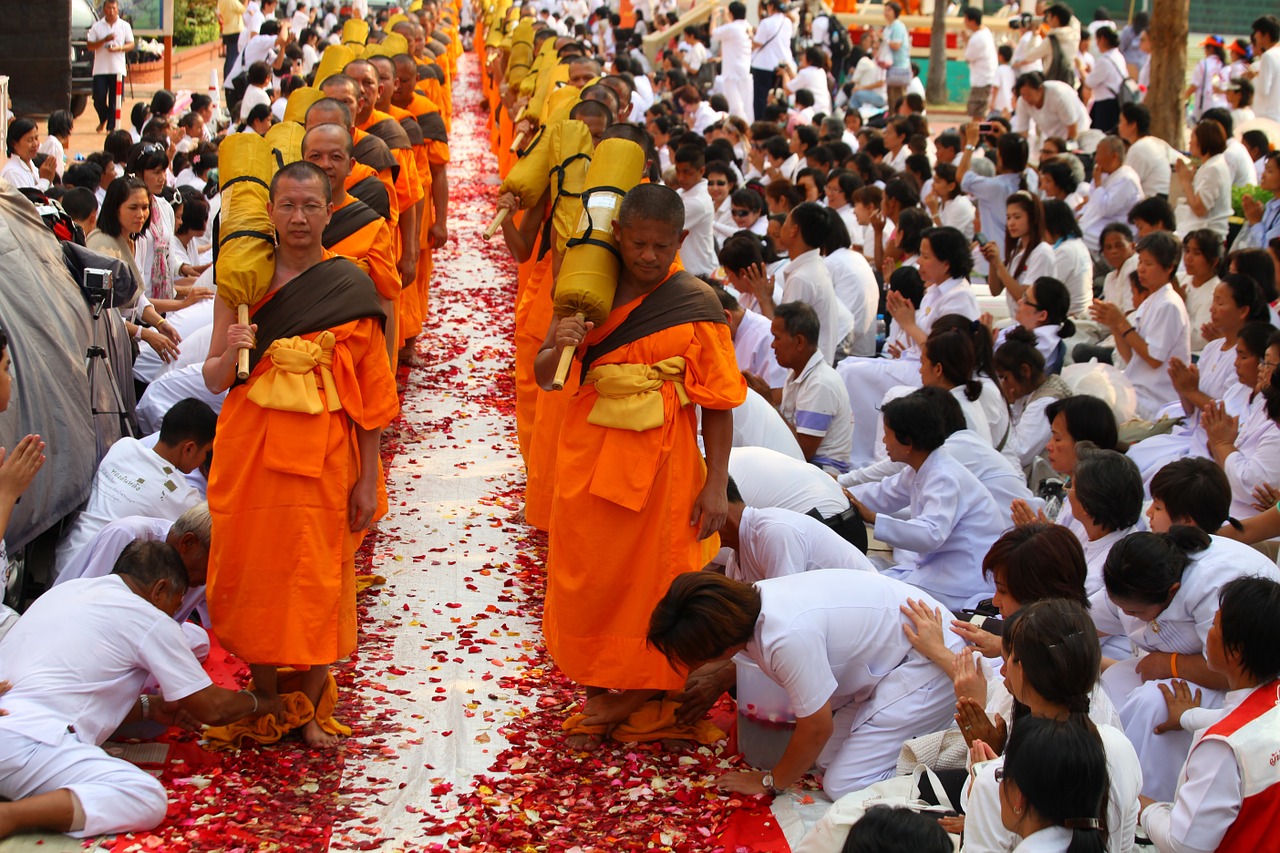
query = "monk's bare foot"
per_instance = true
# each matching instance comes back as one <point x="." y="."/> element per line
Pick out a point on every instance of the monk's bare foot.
<point x="677" y="745"/>
<point x="608" y="709"/>
<point x="519" y="516"/>
<point x="318" y="738"/>
<point x="584" y="743"/>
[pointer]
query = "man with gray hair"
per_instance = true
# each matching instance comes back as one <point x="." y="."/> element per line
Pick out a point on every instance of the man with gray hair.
<point x="189" y="536"/>
<point x="1116" y="188"/>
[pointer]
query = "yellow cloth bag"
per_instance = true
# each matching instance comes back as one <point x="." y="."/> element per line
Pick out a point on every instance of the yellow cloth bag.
<point x="630" y="395"/>
<point x="291" y="384"/>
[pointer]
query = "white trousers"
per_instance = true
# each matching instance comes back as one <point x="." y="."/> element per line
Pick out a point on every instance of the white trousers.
<point x="116" y="796"/>
<point x="864" y="747"/>
<point x="1142" y="708"/>
<point x="739" y="94"/>
<point x="868" y="380"/>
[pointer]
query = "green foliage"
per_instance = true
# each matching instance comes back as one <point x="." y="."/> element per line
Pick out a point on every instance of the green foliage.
<point x="195" y="22"/>
<point x="1260" y="195"/>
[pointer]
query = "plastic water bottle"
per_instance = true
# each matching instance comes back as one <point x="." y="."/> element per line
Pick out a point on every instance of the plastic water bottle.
<point x="882" y="330"/>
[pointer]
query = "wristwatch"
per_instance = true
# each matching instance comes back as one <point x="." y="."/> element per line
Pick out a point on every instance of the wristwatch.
<point x="767" y="781"/>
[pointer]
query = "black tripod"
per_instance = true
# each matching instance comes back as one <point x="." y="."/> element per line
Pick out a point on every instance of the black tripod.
<point x="95" y="359"/>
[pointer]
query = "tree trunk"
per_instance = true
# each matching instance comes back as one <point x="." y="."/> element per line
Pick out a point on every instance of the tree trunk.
<point x="1168" y="70"/>
<point x="936" y="85"/>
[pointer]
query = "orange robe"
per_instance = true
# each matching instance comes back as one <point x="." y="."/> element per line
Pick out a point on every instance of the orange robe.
<point x="281" y="586"/>
<point x="533" y="317"/>
<point x="360" y="171"/>
<point x="435" y="153"/>
<point x="372" y="249"/>
<point x="620" y="527"/>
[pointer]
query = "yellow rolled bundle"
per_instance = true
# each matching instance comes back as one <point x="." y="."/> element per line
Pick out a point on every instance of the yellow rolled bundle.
<point x="355" y="31"/>
<point x="333" y="60"/>
<point x="569" y="140"/>
<point x="389" y="46"/>
<point x="589" y="272"/>
<point x="246" y="254"/>
<point x="285" y="139"/>
<point x="300" y="100"/>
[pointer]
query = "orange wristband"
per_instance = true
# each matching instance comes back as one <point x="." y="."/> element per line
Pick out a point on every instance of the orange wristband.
<point x="1173" y="664"/>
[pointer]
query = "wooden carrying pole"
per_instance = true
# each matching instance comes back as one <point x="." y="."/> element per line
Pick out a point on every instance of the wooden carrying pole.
<point x="242" y="357"/>
<point x="495" y="224"/>
<point x="566" y="361"/>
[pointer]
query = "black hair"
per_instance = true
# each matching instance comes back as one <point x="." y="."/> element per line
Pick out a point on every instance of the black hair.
<point x="1259" y="266"/>
<point x="952" y="350"/>
<point x="1267" y="25"/>
<point x="915" y="421"/>
<point x="896" y="829"/>
<point x="950" y="246"/>
<point x="188" y="420"/>
<point x="1109" y="487"/>
<point x="1038" y="561"/>
<point x="973" y="13"/>
<point x="741" y="251"/>
<point x="1155" y="210"/>
<point x="1018" y="351"/>
<point x="1052" y="297"/>
<point x="837" y="234"/>
<point x="1250" y="608"/>
<point x="913" y="222"/>
<point x="195" y="212"/>
<point x="18" y="128"/>
<point x="162" y="103"/>
<point x="118" y="193"/>
<point x="1087" y="418"/>
<point x="800" y="320"/>
<point x="60" y="123"/>
<point x="1164" y="248"/>
<point x="906" y="282"/>
<point x="811" y="219"/>
<point x="1062" y="174"/>
<point x="80" y="203"/>
<point x="149" y="562"/>
<point x="1195" y="488"/>
<point x="947" y="405"/>
<point x="1143" y="567"/>
<point x="1115" y="228"/>
<point x="1245" y="293"/>
<point x="1062" y="12"/>
<point x="1139" y="115"/>
<point x="1060" y="767"/>
<point x="1034" y="79"/>
<point x="902" y="192"/>
<point x="1056" y="643"/>
<point x="1059" y="220"/>
<point x="259" y="73"/>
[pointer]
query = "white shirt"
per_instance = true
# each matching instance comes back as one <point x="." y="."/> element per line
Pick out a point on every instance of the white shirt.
<point x="1256" y="459"/>
<point x="1029" y="432"/>
<point x="952" y="523"/>
<point x="1073" y="266"/>
<point x="1184" y="624"/>
<point x="958" y="213"/>
<point x="953" y="296"/>
<point x="980" y="54"/>
<point x="985" y="833"/>
<point x="131" y="480"/>
<point x="1266" y="86"/>
<point x="1061" y="109"/>
<point x="1152" y="157"/>
<point x="834" y="636"/>
<point x="867" y="72"/>
<point x="753" y="348"/>
<point x="253" y="95"/>
<point x="756" y="423"/>
<point x="1240" y="164"/>
<point x="1110" y="201"/>
<point x="21" y="174"/>
<point x="816" y="402"/>
<point x="814" y="79"/>
<point x="171" y="388"/>
<point x="806" y="280"/>
<point x="1108" y="75"/>
<point x="774" y="37"/>
<point x="1212" y="183"/>
<point x="1199" y="299"/>
<point x="698" y="251"/>
<point x="195" y="324"/>
<point x="80" y="656"/>
<point x="1041" y="262"/>
<point x="735" y="49"/>
<point x="1161" y="321"/>
<point x="105" y="61"/>
<point x="1029" y="41"/>
<point x="855" y="286"/>
<point x="51" y="146"/>
<point x="776" y="542"/>
<point x="1116" y="288"/>
<point x="767" y="478"/>
<point x="1002" y="97"/>
<point x="704" y="117"/>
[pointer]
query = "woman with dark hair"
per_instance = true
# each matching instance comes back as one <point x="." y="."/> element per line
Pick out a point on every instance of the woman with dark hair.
<point x="944" y="265"/>
<point x="947" y="205"/>
<point x="190" y="233"/>
<point x="991" y="399"/>
<point x="124" y="216"/>
<point x="1258" y="265"/>
<point x="903" y="249"/>
<point x="952" y="518"/>
<point x="1245" y="359"/>
<point x="1106" y="495"/>
<point x="833" y="640"/>
<point x="1043" y="311"/>
<point x="22" y="143"/>
<point x="1209" y="79"/>
<point x="991" y="194"/>
<point x="199" y="173"/>
<point x="749" y="211"/>
<point x="1206" y="188"/>
<point x="745" y="257"/>
<point x="59" y="127"/>
<point x="149" y="162"/>
<point x="1158" y="330"/>
<point x="1072" y="420"/>
<point x="1072" y="263"/>
<point x="888" y="829"/>
<point x="1161" y="592"/>
<point x="1201" y="258"/>
<point x="855" y="285"/>
<point x="948" y="362"/>
<point x="1020" y="368"/>
<point x="258" y="120"/>
<point x="1026" y="256"/>
<point x="722" y="183"/>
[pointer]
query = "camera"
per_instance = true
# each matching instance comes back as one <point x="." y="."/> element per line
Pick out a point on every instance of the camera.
<point x="1025" y="21"/>
<point x="97" y="285"/>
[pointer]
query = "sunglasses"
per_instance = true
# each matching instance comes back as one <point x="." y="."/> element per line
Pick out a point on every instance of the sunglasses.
<point x="739" y="212"/>
<point x="717" y="183"/>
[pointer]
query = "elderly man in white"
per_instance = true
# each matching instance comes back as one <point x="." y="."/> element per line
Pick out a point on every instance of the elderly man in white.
<point x="1054" y="106"/>
<point x="1116" y="188"/>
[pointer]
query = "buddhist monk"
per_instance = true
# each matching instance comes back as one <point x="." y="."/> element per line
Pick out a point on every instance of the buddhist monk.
<point x="355" y="231"/>
<point x="300" y="440"/>
<point x="633" y="496"/>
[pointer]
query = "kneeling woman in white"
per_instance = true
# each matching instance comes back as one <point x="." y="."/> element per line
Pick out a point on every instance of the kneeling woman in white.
<point x="944" y="264"/>
<point x="1037" y="804"/>
<point x="952" y="520"/>
<point x="1019" y="366"/>
<point x="1051" y="665"/>
<point x="833" y="640"/>
<point x="1162" y="590"/>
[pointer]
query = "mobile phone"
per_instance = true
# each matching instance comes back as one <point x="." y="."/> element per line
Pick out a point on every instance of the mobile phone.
<point x="980" y="239"/>
<point x="984" y="127"/>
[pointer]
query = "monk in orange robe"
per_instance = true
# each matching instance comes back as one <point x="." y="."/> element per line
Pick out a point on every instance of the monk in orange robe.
<point x="301" y="442"/>
<point x="355" y="230"/>
<point x="633" y="496"/>
<point x="371" y="158"/>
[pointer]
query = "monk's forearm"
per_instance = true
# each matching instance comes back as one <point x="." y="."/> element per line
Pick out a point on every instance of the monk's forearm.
<point x="220" y="371"/>
<point x="440" y="191"/>
<point x="717" y="439"/>
<point x="409" y="232"/>
<point x="367" y="443"/>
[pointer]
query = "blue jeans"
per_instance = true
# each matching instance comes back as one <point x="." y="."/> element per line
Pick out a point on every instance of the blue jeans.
<point x="866" y="98"/>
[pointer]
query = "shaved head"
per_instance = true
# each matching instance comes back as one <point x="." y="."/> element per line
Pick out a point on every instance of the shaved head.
<point x="329" y="111"/>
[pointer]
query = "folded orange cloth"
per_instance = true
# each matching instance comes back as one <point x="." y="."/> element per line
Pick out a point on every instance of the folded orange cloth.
<point x="298" y="711"/>
<point x="363" y="582"/>
<point x="654" y="720"/>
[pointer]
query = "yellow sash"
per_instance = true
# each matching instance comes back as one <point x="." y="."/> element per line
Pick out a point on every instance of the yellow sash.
<point x="299" y="368"/>
<point x="630" y="395"/>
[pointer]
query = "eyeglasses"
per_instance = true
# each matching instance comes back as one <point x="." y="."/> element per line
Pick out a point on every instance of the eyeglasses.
<point x="1027" y="302"/>
<point x="1270" y="365"/>
<point x="309" y="209"/>
<point x="738" y="211"/>
<point x="717" y="183"/>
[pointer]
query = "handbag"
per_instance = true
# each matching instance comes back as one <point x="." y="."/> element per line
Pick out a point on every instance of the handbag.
<point x="896" y="76"/>
<point x="828" y="834"/>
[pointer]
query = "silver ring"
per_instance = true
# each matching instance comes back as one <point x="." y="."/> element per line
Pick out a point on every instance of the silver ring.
<point x="966" y="728"/>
